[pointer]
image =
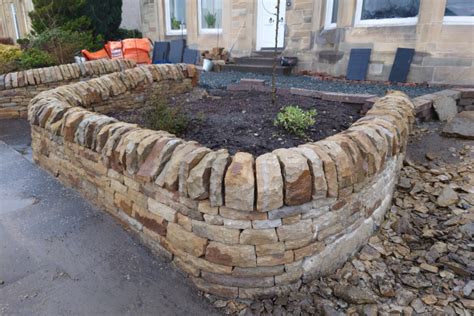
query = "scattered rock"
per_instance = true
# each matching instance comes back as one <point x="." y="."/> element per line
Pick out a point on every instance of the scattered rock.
<point x="462" y="125"/>
<point x="355" y="295"/>
<point x="447" y="197"/>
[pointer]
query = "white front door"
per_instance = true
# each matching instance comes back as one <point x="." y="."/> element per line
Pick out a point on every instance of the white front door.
<point x="266" y="24"/>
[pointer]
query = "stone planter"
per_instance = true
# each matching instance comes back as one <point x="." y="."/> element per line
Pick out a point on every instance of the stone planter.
<point x="239" y="226"/>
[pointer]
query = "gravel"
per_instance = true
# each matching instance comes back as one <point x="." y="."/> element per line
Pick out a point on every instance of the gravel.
<point x="220" y="80"/>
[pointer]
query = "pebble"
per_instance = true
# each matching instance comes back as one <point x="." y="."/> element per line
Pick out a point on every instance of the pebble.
<point x="220" y="80"/>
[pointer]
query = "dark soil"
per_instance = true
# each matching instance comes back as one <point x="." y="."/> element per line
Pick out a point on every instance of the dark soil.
<point x="243" y="121"/>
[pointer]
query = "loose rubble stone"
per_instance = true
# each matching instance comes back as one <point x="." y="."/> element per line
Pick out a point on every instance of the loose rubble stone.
<point x="447" y="197"/>
<point x="462" y="125"/>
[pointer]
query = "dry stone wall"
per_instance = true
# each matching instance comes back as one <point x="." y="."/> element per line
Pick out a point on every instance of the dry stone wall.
<point x="18" y="88"/>
<point x="239" y="226"/>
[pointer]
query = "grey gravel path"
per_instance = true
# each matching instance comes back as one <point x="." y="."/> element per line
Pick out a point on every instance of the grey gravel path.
<point x="61" y="256"/>
<point x="220" y="80"/>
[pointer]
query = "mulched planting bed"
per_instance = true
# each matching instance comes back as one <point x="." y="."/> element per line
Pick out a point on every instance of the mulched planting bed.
<point x="243" y="121"/>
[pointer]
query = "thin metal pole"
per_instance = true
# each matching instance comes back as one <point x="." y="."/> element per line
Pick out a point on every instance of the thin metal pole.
<point x="275" y="60"/>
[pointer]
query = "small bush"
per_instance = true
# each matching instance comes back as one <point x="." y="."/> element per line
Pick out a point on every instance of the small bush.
<point x="295" y="120"/>
<point x="35" y="58"/>
<point x="163" y="117"/>
<point x="63" y="45"/>
<point x="9" y="56"/>
<point x="124" y="34"/>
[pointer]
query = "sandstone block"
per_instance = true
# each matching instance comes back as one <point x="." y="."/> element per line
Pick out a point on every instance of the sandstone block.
<point x="189" y="162"/>
<point x="216" y="233"/>
<point x="240" y="183"/>
<point x="320" y="186"/>
<point x="297" y="177"/>
<point x="300" y="230"/>
<point x="264" y="224"/>
<point x="242" y="215"/>
<point x="258" y="236"/>
<point x="199" y="178"/>
<point x="269" y="182"/>
<point x="162" y="210"/>
<point x="218" y="169"/>
<point x="329" y="169"/>
<point x="270" y="249"/>
<point x="216" y="289"/>
<point x="168" y="178"/>
<point x="206" y="208"/>
<point x="276" y="259"/>
<point x="246" y="282"/>
<point x="151" y="221"/>
<point x="231" y="255"/>
<point x="237" y="223"/>
<point x="186" y="241"/>
<point x="157" y="158"/>
<point x="258" y="271"/>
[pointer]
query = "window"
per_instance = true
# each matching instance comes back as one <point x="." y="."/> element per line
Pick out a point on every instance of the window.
<point x="330" y="21"/>
<point x="15" y="20"/>
<point x="387" y="12"/>
<point x="210" y="16"/>
<point x="175" y="11"/>
<point x="459" y="12"/>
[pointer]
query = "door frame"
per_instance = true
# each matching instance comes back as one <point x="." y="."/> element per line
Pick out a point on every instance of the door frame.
<point x="259" y="35"/>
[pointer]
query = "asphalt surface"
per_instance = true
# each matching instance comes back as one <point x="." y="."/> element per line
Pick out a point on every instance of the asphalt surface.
<point x="59" y="255"/>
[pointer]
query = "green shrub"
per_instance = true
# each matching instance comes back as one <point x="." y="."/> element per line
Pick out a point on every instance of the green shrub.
<point x="9" y="56"/>
<point x="124" y="33"/>
<point x="295" y="120"/>
<point x="163" y="117"/>
<point x="63" y="45"/>
<point x="35" y="58"/>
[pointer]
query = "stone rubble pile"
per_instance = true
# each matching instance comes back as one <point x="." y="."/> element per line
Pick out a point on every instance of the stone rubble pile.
<point x="421" y="262"/>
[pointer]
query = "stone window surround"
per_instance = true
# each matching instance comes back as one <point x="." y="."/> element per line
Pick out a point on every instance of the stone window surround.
<point x="169" y="31"/>
<point x="207" y="30"/>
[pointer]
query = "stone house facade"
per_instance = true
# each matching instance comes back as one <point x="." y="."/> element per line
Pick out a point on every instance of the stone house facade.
<point x="14" y="20"/>
<point x="321" y="33"/>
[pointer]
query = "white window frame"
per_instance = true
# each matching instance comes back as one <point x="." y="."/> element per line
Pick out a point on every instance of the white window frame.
<point x="15" y="20"/>
<point x="169" y="30"/>
<point x="327" y="19"/>
<point x="381" y="22"/>
<point x="207" y="30"/>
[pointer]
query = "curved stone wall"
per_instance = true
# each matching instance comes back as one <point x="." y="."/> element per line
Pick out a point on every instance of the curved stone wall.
<point x="239" y="226"/>
<point x="18" y="88"/>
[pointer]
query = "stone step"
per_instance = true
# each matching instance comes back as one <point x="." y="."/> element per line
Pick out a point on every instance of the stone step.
<point x="259" y="69"/>
<point x="255" y="60"/>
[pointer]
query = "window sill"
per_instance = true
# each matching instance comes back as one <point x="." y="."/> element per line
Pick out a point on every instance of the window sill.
<point x="454" y="20"/>
<point x="174" y="33"/>
<point x="387" y="22"/>
<point x="210" y="31"/>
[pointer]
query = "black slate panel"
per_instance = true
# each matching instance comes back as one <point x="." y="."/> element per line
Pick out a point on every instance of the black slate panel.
<point x="160" y="52"/>
<point x="190" y="56"/>
<point x="401" y="65"/>
<point x="176" y="51"/>
<point x="358" y="63"/>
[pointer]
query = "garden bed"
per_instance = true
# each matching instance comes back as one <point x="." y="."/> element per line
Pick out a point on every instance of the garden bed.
<point x="244" y="121"/>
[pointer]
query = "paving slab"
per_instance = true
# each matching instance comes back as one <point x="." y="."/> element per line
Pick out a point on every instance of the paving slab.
<point x="61" y="255"/>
